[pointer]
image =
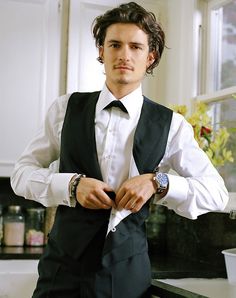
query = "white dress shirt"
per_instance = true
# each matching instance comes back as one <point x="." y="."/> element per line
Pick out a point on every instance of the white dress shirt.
<point x="197" y="187"/>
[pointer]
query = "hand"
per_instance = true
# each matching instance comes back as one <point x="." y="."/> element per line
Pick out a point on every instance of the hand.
<point x="91" y="194"/>
<point x="135" y="192"/>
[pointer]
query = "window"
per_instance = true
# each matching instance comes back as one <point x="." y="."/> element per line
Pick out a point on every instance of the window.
<point x="224" y="114"/>
<point x="217" y="64"/>
<point x="223" y="45"/>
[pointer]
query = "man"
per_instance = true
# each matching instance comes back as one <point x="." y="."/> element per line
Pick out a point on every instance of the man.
<point x="101" y="164"/>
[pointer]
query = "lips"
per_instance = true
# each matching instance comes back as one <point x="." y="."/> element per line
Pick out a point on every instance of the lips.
<point x="123" y="67"/>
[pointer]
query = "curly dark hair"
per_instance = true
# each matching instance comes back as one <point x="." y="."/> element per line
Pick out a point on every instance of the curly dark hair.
<point x="134" y="14"/>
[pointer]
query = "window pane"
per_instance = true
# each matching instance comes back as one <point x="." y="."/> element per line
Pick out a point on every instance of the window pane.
<point x="225" y="115"/>
<point x="224" y="35"/>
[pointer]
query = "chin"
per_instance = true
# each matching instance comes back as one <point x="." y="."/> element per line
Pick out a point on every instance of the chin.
<point x="123" y="82"/>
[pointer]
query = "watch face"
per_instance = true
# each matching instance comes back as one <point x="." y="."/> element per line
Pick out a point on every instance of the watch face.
<point x="162" y="179"/>
<point x="162" y="182"/>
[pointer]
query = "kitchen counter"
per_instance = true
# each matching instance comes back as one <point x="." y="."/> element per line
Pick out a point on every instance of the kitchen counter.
<point x="163" y="290"/>
<point x="194" y="288"/>
<point x="177" y="267"/>
<point x="163" y="266"/>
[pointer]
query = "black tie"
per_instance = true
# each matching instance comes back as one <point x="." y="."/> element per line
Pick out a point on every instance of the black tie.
<point x="117" y="104"/>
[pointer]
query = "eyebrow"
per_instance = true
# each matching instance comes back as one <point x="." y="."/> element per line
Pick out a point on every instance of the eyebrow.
<point x="132" y="43"/>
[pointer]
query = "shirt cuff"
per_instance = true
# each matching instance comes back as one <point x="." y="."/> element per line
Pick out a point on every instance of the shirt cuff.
<point x="60" y="189"/>
<point x="177" y="192"/>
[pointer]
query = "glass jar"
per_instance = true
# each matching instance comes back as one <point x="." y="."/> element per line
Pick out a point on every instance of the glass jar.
<point x="14" y="226"/>
<point x="1" y="225"/>
<point x="34" y="232"/>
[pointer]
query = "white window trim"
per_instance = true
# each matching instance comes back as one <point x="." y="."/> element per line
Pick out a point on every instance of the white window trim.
<point x="206" y="91"/>
<point x="206" y="83"/>
<point x="217" y="95"/>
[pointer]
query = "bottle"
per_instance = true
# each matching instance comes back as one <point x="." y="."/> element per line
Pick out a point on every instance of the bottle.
<point x="1" y="226"/>
<point x="14" y="226"/>
<point x="34" y="231"/>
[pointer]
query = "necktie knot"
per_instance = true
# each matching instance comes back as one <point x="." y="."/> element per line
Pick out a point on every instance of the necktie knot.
<point x="117" y="104"/>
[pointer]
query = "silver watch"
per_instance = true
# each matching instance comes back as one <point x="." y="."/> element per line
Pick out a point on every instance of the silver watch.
<point x="162" y="182"/>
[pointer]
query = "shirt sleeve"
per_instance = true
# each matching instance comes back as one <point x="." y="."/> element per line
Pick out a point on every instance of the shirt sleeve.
<point x="36" y="174"/>
<point x="195" y="186"/>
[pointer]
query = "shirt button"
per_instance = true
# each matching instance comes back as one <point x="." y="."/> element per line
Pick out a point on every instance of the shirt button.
<point x="65" y="202"/>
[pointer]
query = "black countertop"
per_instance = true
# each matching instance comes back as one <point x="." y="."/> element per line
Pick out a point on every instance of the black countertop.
<point x="20" y="253"/>
<point x="163" y="266"/>
<point x="176" y="267"/>
<point x="162" y="290"/>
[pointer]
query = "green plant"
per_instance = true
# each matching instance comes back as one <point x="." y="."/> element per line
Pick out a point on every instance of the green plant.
<point x="213" y="142"/>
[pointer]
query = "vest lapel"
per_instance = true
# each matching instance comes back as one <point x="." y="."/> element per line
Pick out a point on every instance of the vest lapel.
<point x="151" y="136"/>
<point x="88" y="137"/>
<point x="81" y="108"/>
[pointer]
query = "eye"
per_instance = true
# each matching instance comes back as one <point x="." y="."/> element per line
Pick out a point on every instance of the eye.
<point x="136" y="47"/>
<point x="114" y="45"/>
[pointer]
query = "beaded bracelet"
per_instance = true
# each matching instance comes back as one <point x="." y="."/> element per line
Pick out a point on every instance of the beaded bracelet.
<point x="73" y="185"/>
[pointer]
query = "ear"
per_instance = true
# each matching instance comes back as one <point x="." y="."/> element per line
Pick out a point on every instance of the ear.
<point x="151" y="58"/>
<point x="101" y="51"/>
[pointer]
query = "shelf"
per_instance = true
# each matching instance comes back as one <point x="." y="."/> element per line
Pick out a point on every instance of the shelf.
<point x="20" y="253"/>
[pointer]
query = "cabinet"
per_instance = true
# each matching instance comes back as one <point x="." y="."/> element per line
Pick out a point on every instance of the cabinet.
<point x="30" y="34"/>
<point x="18" y="278"/>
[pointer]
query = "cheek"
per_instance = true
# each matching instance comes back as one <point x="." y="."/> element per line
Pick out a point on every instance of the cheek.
<point x="108" y="57"/>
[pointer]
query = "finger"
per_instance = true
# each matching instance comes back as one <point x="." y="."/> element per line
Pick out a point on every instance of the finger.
<point x="106" y="198"/>
<point x="124" y="202"/>
<point x="120" y="195"/>
<point x="96" y="203"/>
<point x="136" y="206"/>
<point x="130" y="204"/>
<point x="89" y="204"/>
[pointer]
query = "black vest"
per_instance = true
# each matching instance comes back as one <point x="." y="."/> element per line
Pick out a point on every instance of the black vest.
<point x="74" y="228"/>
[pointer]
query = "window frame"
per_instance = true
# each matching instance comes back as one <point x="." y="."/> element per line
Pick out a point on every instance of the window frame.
<point x="205" y="88"/>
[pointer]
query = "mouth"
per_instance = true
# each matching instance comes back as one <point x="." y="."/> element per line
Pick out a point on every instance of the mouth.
<point x="123" y="67"/>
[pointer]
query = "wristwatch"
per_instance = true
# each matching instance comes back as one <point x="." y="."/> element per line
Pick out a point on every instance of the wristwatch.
<point x="162" y="182"/>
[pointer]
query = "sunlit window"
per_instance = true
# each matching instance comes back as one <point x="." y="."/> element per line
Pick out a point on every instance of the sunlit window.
<point x="217" y="81"/>
<point x="223" y="34"/>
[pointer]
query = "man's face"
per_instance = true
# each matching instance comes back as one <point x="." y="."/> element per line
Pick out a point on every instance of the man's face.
<point x="126" y="56"/>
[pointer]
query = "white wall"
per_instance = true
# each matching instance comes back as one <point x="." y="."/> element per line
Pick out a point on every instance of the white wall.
<point x="180" y="63"/>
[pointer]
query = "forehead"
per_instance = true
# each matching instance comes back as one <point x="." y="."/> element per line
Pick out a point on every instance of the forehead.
<point x="126" y="33"/>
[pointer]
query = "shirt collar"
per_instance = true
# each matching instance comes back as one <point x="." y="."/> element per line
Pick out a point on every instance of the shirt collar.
<point x="133" y="101"/>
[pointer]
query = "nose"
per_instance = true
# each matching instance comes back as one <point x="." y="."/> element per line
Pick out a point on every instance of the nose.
<point x="124" y="54"/>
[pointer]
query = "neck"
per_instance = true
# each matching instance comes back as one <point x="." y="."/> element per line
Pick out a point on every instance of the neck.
<point x="119" y="91"/>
